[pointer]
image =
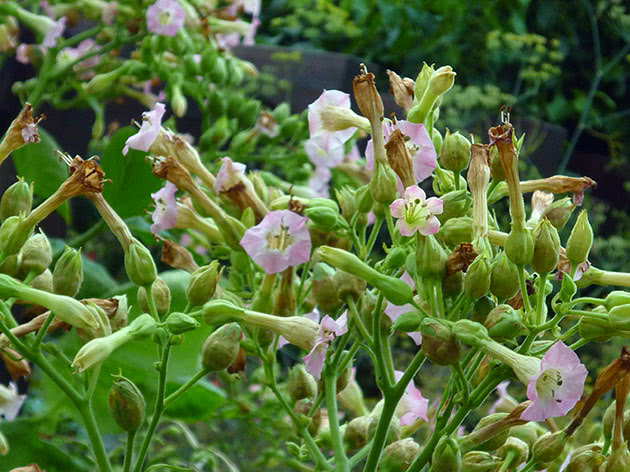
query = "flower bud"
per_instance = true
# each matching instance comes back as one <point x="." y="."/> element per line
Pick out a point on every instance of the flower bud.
<point x="431" y="258"/>
<point x="10" y="265"/>
<point x="504" y="278"/>
<point x="36" y="254"/>
<point x="439" y="343"/>
<point x="126" y="404"/>
<point x="348" y="285"/>
<point x="546" y="247"/>
<point x="324" y="288"/>
<point x="477" y="278"/>
<point x="394" y="428"/>
<point x="455" y="152"/>
<point x="470" y="332"/>
<point x="203" y="283"/>
<point x="139" y="265"/>
<point x="351" y="397"/>
<point x="519" y="246"/>
<point x="383" y="184"/>
<point x="178" y="102"/>
<point x="593" y="330"/>
<point x="13" y="235"/>
<point x="161" y="296"/>
<point x="619" y="317"/>
<point x="363" y="199"/>
<point x="179" y="323"/>
<point x="559" y="212"/>
<point x="587" y="460"/>
<point x="399" y="455"/>
<point x="68" y="272"/>
<point x="356" y="434"/>
<point x="616" y="298"/>
<point x="43" y="281"/>
<point x="456" y="231"/>
<point x="347" y="202"/>
<point x="395" y="258"/>
<point x="221" y="347"/>
<point x="17" y="199"/>
<point x="441" y="81"/>
<point x="516" y="448"/>
<point x="528" y="432"/>
<point x="479" y="461"/>
<point x="446" y="456"/>
<point x="580" y="240"/>
<point x="549" y="447"/>
<point x="324" y="218"/>
<point x="503" y="322"/>
<point x="301" y="384"/>
<point x="393" y="289"/>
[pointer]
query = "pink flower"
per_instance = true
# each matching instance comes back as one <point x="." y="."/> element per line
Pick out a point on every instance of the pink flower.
<point x="84" y="66"/>
<point x="328" y="98"/>
<point x="165" y="17"/>
<point x="329" y="329"/>
<point x="230" y="174"/>
<point x="558" y="386"/>
<point x="165" y="214"/>
<point x="319" y="181"/>
<point x="394" y="311"/>
<point x="151" y="121"/>
<point x="325" y="150"/>
<point x="421" y="149"/>
<point x="416" y="213"/>
<point x="313" y="316"/>
<point x="10" y="402"/>
<point x="50" y="39"/>
<point x="412" y="404"/>
<point x="279" y="241"/>
<point x="22" y="53"/>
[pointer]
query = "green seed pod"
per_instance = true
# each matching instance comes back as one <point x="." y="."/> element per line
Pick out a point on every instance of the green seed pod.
<point x="301" y="384"/>
<point x="439" y="343"/>
<point x="444" y="182"/>
<point x="344" y="378"/>
<point x="455" y="152"/>
<point x="347" y="202"/>
<point x="68" y="272"/>
<point x="179" y="323"/>
<point x="619" y="317"/>
<point x="480" y="461"/>
<point x="517" y="447"/>
<point x="546" y="247"/>
<point x="580" y="241"/>
<point x="364" y="199"/>
<point x="477" y="278"/>
<point x="618" y="460"/>
<point x="395" y="258"/>
<point x="13" y="235"/>
<point x="455" y="231"/>
<point x="519" y="246"/>
<point x="504" y="278"/>
<point x="394" y="428"/>
<point x="324" y="218"/>
<point x="36" y="254"/>
<point x="528" y="433"/>
<point x="126" y="404"/>
<point x="218" y="72"/>
<point x="495" y="442"/>
<point x="383" y="184"/>
<point x="139" y="265"/>
<point x="324" y="288"/>
<point x="221" y="347"/>
<point x="203" y="283"/>
<point x="549" y="447"/>
<point x="595" y="331"/>
<point x="43" y="281"/>
<point x="431" y="259"/>
<point x="17" y="199"/>
<point x="408" y="322"/>
<point x="504" y="322"/>
<point x="616" y="298"/>
<point x="446" y="456"/>
<point x="470" y="332"/>
<point x="348" y="285"/>
<point x="356" y="434"/>
<point x="10" y="265"/>
<point x="559" y="212"/>
<point x="399" y="455"/>
<point x="161" y="296"/>
<point x="586" y="460"/>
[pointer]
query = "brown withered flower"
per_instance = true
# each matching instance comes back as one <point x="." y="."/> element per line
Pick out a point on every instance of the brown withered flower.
<point x="178" y="256"/>
<point x="23" y="130"/>
<point x="399" y="158"/>
<point x="461" y="257"/>
<point x="399" y="88"/>
<point x="16" y="365"/>
<point x="367" y="97"/>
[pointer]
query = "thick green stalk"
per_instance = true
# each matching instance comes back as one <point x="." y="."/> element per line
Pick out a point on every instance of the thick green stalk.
<point x="129" y="450"/>
<point x="181" y="390"/>
<point x="330" y="384"/>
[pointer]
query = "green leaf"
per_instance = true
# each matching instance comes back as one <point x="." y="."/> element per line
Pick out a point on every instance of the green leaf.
<point x="197" y="404"/>
<point x="39" y="164"/>
<point x="132" y="180"/>
<point x="27" y="447"/>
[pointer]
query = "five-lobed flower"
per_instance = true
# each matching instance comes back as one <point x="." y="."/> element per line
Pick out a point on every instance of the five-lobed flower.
<point x="416" y="213"/>
<point x="165" y="17"/>
<point x="329" y="329"/>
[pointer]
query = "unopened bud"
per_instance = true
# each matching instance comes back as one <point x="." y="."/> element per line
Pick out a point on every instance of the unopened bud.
<point x="619" y="317"/>
<point x="399" y="455"/>
<point x="455" y="153"/>
<point x="161" y="296"/>
<point x="36" y="254"/>
<point x="441" y="81"/>
<point x="504" y="278"/>
<point x="364" y="199"/>
<point x="481" y="309"/>
<point x="480" y="461"/>
<point x="179" y="323"/>
<point x="383" y="184"/>
<point x="43" y="281"/>
<point x="546" y="247"/>
<point x="519" y="246"/>
<point x="504" y="322"/>
<point x="301" y="384"/>
<point x="18" y="198"/>
<point x="516" y="448"/>
<point x="356" y="434"/>
<point x="324" y="288"/>
<point x="221" y="347"/>
<point x="587" y="460"/>
<point x="477" y="278"/>
<point x="455" y="204"/>
<point x="178" y="102"/>
<point x="616" y="298"/>
<point x="549" y="447"/>
<point x="13" y="235"/>
<point x="456" y="231"/>
<point x="431" y="258"/>
<point x="444" y="181"/>
<point x="203" y="283"/>
<point x="126" y="404"/>
<point x="139" y="265"/>
<point x="446" y="456"/>
<point x="439" y="343"/>
<point x="68" y="272"/>
<point x="580" y="240"/>
<point x="324" y="218"/>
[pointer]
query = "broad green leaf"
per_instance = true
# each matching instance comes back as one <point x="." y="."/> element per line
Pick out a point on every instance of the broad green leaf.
<point x="39" y="164"/>
<point x="129" y="193"/>
<point x="197" y="404"/>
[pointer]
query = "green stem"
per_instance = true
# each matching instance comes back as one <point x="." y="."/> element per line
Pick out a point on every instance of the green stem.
<point x="356" y="318"/>
<point x="372" y="238"/>
<point x="456" y="177"/>
<point x="440" y="298"/>
<point x="459" y="372"/>
<point x="521" y="280"/>
<point x="42" y="331"/>
<point x="151" y="302"/>
<point x="129" y="451"/>
<point x="192" y="381"/>
<point x="390" y="225"/>
<point x="102" y="459"/>
<point x="381" y="371"/>
<point x="330" y="384"/>
<point x="540" y="300"/>
<point x="509" y="457"/>
<point x="359" y="456"/>
<point x="530" y="466"/>
<point x="159" y="405"/>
